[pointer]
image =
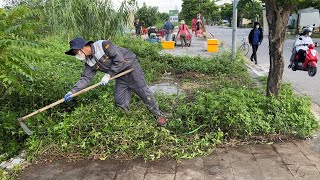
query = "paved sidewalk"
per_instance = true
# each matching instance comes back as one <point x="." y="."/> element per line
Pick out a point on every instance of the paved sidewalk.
<point x="290" y="160"/>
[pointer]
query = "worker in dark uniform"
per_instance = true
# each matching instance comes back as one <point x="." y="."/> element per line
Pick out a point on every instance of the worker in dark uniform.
<point x="103" y="56"/>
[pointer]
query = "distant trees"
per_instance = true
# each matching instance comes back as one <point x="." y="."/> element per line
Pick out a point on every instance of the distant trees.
<point x="150" y="16"/>
<point x="249" y="9"/>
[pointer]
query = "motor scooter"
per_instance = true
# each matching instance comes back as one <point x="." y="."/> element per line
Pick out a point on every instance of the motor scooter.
<point x="310" y="62"/>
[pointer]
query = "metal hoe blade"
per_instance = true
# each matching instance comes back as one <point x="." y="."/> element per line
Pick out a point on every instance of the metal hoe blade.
<point x="25" y="127"/>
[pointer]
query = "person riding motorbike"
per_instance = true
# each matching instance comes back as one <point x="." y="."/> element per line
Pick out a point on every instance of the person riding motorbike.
<point x="301" y="45"/>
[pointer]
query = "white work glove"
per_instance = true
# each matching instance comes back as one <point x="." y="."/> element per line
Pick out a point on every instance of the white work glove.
<point x="105" y="80"/>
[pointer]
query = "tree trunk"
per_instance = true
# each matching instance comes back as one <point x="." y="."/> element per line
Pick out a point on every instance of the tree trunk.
<point x="277" y="16"/>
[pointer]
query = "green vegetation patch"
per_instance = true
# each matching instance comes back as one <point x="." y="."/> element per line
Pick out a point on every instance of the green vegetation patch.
<point x="221" y="102"/>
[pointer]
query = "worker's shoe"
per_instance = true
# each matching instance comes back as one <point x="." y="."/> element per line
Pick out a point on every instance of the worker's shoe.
<point x="161" y="121"/>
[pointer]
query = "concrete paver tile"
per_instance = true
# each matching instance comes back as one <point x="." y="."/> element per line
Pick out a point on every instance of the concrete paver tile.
<point x="315" y="143"/>
<point x="270" y="160"/>
<point x="292" y="154"/>
<point x="304" y="172"/>
<point x="315" y="160"/>
<point x="286" y="148"/>
<point x="73" y="170"/>
<point x="100" y="175"/>
<point x="263" y="149"/>
<point x="104" y="170"/>
<point x="276" y="174"/>
<point x="309" y="152"/>
<point x="224" y="157"/>
<point x="211" y="159"/>
<point x="219" y="177"/>
<point x="190" y="169"/>
<point x="217" y="165"/>
<point x="196" y="163"/>
<point x="244" y="164"/>
<point x="155" y="176"/>
<point x="247" y="171"/>
<point x="162" y="166"/>
<point x="48" y="171"/>
<point x="240" y="154"/>
<point x="304" y="146"/>
<point x="190" y="174"/>
<point x="272" y="167"/>
<point x="134" y="171"/>
<point x="220" y="170"/>
<point x="296" y="159"/>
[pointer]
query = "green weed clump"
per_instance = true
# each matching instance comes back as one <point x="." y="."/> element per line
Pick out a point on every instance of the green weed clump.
<point x="242" y="112"/>
<point x="11" y="174"/>
<point x="224" y="104"/>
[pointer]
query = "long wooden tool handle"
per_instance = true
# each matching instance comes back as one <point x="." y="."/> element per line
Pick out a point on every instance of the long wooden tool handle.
<point x="73" y="95"/>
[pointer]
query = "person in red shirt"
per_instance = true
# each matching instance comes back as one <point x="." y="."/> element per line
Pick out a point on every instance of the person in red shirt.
<point x="183" y="28"/>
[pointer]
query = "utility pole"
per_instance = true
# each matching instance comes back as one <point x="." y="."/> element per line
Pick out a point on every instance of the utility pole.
<point x="234" y="29"/>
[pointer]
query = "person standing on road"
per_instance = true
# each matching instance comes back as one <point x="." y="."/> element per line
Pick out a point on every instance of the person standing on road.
<point x="103" y="56"/>
<point x="168" y="27"/>
<point x="138" y="27"/>
<point x="255" y="40"/>
<point x="183" y="28"/>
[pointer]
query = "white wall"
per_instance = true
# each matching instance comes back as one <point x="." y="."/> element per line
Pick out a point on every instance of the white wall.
<point x="310" y="19"/>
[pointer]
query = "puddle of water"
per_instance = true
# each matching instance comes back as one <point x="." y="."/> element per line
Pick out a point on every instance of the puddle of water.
<point x="166" y="88"/>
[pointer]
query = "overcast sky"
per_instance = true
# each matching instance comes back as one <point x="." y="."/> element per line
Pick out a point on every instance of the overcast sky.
<point x="1" y="3"/>
<point x="163" y="5"/>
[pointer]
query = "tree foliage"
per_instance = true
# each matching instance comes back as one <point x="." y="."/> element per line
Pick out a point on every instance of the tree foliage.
<point x="310" y="3"/>
<point x="250" y="9"/>
<point x="190" y="9"/>
<point x="149" y="15"/>
<point x="226" y="11"/>
<point x="210" y="11"/>
<point x="18" y="27"/>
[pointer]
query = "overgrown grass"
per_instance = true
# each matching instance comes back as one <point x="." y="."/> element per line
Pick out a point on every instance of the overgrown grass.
<point x="229" y="106"/>
<point x="11" y="174"/>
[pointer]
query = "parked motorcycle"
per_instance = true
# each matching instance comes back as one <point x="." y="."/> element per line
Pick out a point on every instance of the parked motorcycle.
<point x="310" y="62"/>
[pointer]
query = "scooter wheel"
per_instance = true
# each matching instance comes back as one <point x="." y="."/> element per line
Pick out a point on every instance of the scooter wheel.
<point x="293" y="67"/>
<point x="312" y="71"/>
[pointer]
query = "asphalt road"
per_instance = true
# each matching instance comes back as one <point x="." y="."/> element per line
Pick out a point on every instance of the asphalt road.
<point x="300" y="80"/>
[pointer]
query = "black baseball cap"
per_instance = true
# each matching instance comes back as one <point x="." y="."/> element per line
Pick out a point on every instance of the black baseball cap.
<point x="76" y="43"/>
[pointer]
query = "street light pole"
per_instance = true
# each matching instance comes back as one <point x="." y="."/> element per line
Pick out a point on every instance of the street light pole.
<point x="234" y="29"/>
